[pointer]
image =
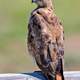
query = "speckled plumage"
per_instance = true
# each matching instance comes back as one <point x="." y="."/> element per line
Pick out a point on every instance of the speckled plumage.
<point x="45" y="41"/>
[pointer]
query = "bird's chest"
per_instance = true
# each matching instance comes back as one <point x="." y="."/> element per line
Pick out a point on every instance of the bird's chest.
<point x="51" y="18"/>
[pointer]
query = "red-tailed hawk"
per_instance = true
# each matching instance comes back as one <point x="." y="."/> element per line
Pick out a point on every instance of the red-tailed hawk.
<point x="45" y="40"/>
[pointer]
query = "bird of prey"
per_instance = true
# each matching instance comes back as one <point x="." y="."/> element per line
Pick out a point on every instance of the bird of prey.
<point x="45" y="40"/>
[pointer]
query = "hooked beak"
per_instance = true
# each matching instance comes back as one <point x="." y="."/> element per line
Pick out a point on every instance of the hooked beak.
<point x="33" y="1"/>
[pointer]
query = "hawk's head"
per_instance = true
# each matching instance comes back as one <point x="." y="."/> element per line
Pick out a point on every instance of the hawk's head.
<point x="43" y="3"/>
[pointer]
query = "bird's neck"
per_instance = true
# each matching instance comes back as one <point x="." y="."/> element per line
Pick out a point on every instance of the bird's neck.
<point x="50" y="8"/>
<point x="48" y="5"/>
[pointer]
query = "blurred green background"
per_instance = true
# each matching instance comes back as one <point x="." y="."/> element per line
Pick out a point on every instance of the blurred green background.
<point x="14" y="16"/>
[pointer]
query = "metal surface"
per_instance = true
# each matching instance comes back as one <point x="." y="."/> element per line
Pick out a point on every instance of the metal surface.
<point x="37" y="75"/>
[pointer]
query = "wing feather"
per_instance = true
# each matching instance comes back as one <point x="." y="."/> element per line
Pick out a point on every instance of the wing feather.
<point x="45" y="43"/>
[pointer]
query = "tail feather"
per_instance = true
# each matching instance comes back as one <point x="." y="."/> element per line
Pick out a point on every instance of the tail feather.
<point x="60" y="75"/>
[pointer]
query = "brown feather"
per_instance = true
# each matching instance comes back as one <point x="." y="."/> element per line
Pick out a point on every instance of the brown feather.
<point x="45" y="41"/>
